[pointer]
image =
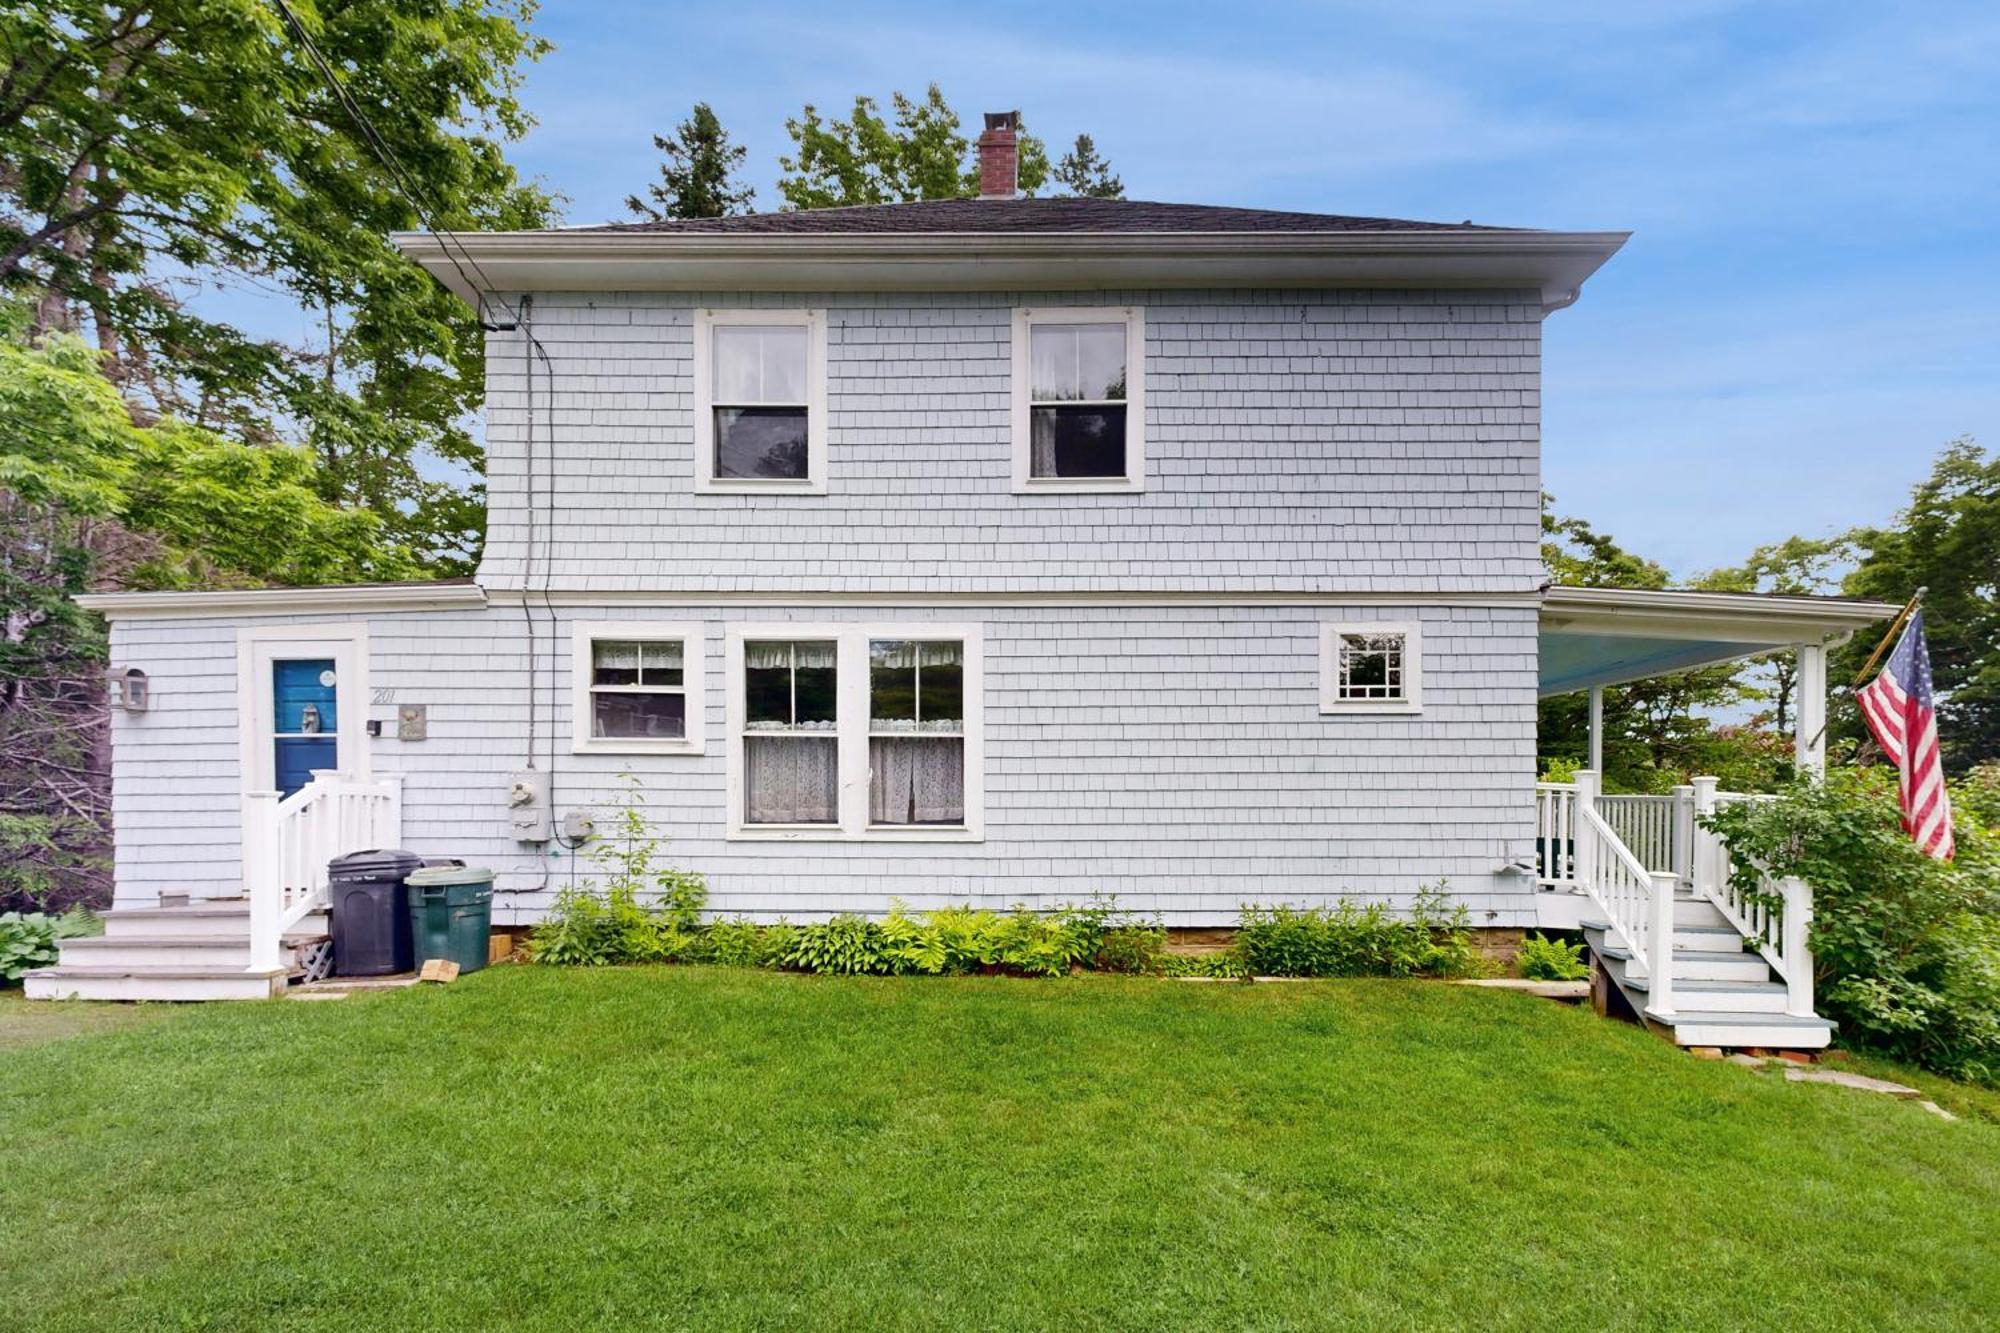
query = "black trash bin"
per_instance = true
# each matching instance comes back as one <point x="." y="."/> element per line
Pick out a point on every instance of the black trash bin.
<point x="370" y="912"/>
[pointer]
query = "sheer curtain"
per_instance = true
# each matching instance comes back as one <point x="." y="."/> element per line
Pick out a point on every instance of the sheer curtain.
<point x="791" y="779"/>
<point x="916" y="780"/>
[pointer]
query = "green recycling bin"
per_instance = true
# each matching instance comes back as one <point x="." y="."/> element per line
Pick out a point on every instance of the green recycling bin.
<point x="451" y="914"/>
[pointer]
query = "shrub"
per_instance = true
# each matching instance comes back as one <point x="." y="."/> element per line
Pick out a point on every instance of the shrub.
<point x="635" y="913"/>
<point x="1545" y="959"/>
<point x="848" y="945"/>
<point x="1221" y="963"/>
<point x="1348" y="941"/>
<point x="1906" y="949"/>
<point x="1133" y="947"/>
<point x="28" y="939"/>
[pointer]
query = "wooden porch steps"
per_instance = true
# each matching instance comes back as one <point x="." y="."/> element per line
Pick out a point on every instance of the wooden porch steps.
<point x="1724" y="993"/>
<point x="199" y="951"/>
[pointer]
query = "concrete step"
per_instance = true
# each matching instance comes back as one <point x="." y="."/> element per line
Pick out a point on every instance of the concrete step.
<point x="1738" y="1031"/>
<point x="152" y="983"/>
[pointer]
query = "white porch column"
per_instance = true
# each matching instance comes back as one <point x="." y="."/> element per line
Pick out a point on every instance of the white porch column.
<point x="1597" y="728"/>
<point x="1809" y="743"/>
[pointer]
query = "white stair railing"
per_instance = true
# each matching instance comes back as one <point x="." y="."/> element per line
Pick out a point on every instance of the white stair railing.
<point x="1774" y="917"/>
<point x="287" y="843"/>
<point x="1637" y="902"/>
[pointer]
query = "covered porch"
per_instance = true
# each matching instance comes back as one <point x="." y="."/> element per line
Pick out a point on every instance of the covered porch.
<point x="1687" y="950"/>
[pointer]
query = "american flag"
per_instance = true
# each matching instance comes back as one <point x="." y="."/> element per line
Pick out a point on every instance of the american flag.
<point x="1899" y="710"/>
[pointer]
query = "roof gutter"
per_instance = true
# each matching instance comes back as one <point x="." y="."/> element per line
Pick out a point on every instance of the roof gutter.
<point x="1554" y="264"/>
<point x="283" y="601"/>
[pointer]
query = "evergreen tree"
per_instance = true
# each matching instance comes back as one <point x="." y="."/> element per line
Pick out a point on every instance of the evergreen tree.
<point x="697" y="179"/>
<point x="1085" y="174"/>
<point x="918" y="152"/>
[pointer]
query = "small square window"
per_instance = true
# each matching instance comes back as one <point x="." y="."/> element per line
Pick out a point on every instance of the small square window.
<point x="637" y="689"/>
<point x="1370" y="668"/>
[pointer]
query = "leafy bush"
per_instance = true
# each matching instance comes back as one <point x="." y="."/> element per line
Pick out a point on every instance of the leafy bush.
<point x="1349" y="941"/>
<point x="28" y="939"/>
<point x="1221" y="963"/>
<point x="1133" y="947"/>
<point x="1545" y="959"/>
<point x="636" y="913"/>
<point x="1906" y="949"/>
<point x="848" y="945"/>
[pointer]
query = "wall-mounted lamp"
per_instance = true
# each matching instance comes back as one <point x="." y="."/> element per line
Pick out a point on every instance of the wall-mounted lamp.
<point x="129" y="689"/>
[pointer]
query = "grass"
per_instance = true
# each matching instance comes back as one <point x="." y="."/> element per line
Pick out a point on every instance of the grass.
<point x="691" y="1147"/>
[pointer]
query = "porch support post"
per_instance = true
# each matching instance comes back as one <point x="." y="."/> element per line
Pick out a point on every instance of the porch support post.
<point x="1596" y="729"/>
<point x="1809" y="741"/>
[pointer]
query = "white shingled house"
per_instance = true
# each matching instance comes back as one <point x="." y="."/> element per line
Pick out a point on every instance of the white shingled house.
<point x="992" y="551"/>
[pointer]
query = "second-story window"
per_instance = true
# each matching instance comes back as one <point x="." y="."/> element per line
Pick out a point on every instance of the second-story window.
<point x="1079" y="408"/>
<point x="760" y="400"/>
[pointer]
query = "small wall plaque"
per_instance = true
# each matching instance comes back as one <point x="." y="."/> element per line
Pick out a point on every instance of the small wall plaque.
<point x="411" y="722"/>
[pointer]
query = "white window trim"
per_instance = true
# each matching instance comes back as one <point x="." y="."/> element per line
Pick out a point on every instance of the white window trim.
<point x="1329" y="669"/>
<point x="257" y="647"/>
<point x="851" y="731"/>
<point x="705" y="480"/>
<point x="694" y="654"/>
<point x="1134" y="319"/>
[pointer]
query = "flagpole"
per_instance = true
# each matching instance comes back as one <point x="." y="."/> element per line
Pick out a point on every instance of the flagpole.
<point x="1902" y="617"/>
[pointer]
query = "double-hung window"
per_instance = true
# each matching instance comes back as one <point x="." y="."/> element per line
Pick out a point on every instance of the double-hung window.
<point x="855" y="731"/>
<point x="1370" y="669"/>
<point x="760" y="401"/>
<point x="636" y="689"/>
<point x="1079" y="399"/>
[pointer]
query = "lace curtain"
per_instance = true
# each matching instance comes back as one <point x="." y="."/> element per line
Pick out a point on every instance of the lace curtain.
<point x="791" y="779"/>
<point x="916" y="780"/>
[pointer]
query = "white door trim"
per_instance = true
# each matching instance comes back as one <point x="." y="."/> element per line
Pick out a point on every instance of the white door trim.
<point x="259" y="646"/>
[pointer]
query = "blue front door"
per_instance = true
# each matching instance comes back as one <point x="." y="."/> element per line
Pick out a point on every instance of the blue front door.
<point x="305" y="720"/>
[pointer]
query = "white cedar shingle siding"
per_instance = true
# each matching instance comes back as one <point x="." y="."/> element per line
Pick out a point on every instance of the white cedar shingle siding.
<point x="1345" y="441"/>
<point x="1173" y="756"/>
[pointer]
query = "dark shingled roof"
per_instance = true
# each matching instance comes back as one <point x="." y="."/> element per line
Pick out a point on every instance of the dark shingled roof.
<point x="1029" y="216"/>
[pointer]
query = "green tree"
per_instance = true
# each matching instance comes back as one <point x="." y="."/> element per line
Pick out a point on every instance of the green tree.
<point x="1084" y="173"/>
<point x="143" y="141"/>
<point x="916" y="153"/>
<point x="90" y="500"/>
<point x="1796" y="566"/>
<point x="1657" y="732"/>
<point x="697" y="179"/>
<point x="1947" y="540"/>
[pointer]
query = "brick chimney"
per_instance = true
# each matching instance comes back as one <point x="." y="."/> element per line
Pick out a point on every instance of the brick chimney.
<point x="999" y="156"/>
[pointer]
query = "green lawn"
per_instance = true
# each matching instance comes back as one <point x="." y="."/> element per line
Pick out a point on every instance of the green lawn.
<point x="690" y="1147"/>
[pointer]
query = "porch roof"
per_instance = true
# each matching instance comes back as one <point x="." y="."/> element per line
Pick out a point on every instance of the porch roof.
<point x="1612" y="636"/>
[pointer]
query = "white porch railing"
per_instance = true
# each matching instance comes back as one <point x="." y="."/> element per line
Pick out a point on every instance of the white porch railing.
<point x="287" y="843"/>
<point x="1775" y="917"/>
<point x="1647" y="825"/>
<point x="1555" y="835"/>
<point x="1636" y="901"/>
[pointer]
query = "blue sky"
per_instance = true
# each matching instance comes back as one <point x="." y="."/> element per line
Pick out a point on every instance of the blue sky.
<point x="1808" y="311"/>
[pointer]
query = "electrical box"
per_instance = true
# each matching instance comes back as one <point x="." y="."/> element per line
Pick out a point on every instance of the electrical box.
<point x="578" y="828"/>
<point x="528" y="805"/>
